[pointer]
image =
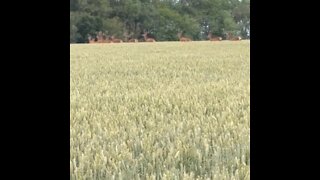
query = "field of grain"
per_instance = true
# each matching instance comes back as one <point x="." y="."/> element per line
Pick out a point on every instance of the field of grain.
<point x="165" y="110"/>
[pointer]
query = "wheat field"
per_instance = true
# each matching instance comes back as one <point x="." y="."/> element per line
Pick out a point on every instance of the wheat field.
<point x="164" y="110"/>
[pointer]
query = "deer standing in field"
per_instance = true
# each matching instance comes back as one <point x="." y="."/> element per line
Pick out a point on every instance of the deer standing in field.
<point x="114" y="40"/>
<point x="133" y="40"/>
<point x="102" y="38"/>
<point x="214" y="38"/>
<point x="129" y="38"/>
<point x="91" y="40"/>
<point x="148" y="38"/>
<point x="105" y="39"/>
<point x="183" y="39"/>
<point x="99" y="37"/>
<point x="230" y="37"/>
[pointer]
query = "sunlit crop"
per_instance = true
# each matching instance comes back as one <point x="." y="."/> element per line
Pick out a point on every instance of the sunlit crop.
<point x="165" y="110"/>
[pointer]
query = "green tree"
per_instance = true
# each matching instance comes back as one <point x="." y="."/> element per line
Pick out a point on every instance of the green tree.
<point x="74" y="35"/>
<point x="162" y="18"/>
<point x="241" y="15"/>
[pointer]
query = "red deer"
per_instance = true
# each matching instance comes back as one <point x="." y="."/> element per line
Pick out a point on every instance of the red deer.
<point x="214" y="38"/>
<point x="91" y="40"/>
<point x="147" y="38"/>
<point x="102" y="38"/>
<point x="230" y="37"/>
<point x="128" y="37"/>
<point x="114" y="40"/>
<point x="183" y="39"/>
<point x="105" y="39"/>
<point x="133" y="40"/>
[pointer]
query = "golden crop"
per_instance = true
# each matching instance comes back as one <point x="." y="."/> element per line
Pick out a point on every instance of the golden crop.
<point x="165" y="110"/>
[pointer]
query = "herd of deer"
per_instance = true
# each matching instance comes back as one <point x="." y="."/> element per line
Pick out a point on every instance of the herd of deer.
<point x="102" y="38"/>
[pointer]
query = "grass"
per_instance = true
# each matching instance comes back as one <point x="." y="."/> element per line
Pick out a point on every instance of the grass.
<point x="165" y="110"/>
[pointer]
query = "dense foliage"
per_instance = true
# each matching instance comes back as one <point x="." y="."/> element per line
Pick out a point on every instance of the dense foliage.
<point x="163" y="18"/>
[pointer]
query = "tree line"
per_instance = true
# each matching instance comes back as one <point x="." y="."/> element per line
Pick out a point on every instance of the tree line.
<point x="164" y="19"/>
